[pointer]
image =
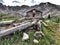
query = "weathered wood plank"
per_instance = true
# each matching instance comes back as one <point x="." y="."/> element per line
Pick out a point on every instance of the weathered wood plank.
<point x="6" y="22"/>
<point x="13" y="29"/>
<point x="11" y="21"/>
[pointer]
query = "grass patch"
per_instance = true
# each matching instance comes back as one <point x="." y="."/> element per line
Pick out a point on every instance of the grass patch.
<point x="6" y="17"/>
<point x="47" y="39"/>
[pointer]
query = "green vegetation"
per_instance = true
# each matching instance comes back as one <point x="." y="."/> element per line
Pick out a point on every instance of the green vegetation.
<point x="56" y="19"/>
<point x="5" y="17"/>
<point x="47" y="39"/>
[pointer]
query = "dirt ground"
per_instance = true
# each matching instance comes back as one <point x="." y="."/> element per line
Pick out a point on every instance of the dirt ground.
<point x="57" y="35"/>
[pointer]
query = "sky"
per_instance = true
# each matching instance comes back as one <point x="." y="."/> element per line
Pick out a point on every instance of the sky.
<point x="27" y="2"/>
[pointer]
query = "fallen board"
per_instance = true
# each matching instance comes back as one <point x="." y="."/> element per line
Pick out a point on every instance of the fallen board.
<point x="13" y="29"/>
<point x="11" y="21"/>
<point x="6" y="22"/>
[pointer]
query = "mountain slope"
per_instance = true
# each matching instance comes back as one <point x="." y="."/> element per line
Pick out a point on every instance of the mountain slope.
<point x="47" y="8"/>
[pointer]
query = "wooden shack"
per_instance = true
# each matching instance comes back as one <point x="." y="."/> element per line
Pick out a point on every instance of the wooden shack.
<point x="34" y="13"/>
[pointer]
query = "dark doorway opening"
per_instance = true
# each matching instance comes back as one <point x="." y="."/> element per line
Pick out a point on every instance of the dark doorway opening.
<point x="33" y="15"/>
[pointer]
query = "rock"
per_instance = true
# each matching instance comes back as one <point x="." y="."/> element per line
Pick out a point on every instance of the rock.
<point x="35" y="41"/>
<point x="39" y="33"/>
<point x="25" y="36"/>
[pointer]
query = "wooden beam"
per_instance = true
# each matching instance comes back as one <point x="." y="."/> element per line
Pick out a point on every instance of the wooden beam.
<point x="6" y="22"/>
<point x="13" y="29"/>
<point x="11" y="21"/>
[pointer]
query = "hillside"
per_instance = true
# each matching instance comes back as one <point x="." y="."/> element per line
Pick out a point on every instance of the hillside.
<point x="12" y="32"/>
<point x="47" y="8"/>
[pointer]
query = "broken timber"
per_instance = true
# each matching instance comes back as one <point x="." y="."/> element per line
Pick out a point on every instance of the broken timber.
<point x="13" y="29"/>
<point x="11" y="21"/>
